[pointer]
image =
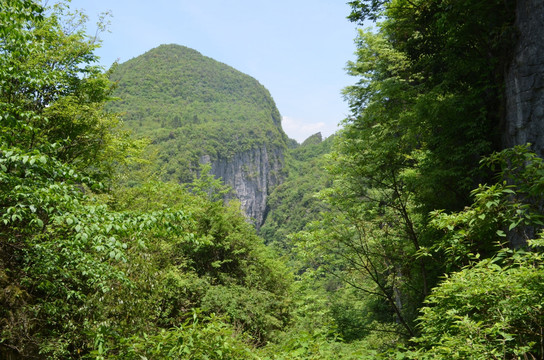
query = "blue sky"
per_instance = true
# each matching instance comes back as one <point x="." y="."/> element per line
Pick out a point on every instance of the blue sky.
<point x="297" y="49"/>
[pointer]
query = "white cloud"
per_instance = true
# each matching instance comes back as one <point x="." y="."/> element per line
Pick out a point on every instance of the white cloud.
<point x="299" y="130"/>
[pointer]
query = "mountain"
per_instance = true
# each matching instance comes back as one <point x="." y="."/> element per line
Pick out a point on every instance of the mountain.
<point x="197" y="110"/>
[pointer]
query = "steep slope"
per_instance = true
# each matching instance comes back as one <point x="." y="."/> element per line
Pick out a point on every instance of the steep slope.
<point x="293" y="204"/>
<point x="198" y="110"/>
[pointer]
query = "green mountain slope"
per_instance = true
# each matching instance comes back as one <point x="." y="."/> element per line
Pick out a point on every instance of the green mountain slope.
<point x="294" y="203"/>
<point x="190" y="106"/>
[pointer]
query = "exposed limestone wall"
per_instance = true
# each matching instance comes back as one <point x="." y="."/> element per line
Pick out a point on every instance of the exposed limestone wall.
<point x="252" y="174"/>
<point x="524" y="89"/>
<point x="525" y="80"/>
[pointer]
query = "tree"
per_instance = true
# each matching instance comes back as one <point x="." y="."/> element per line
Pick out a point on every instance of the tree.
<point x="55" y="142"/>
<point x="366" y="9"/>
<point x="492" y="307"/>
<point x="425" y="109"/>
<point x="374" y="166"/>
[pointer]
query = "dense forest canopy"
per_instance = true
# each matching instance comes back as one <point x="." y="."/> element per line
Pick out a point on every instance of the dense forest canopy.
<point x="410" y="234"/>
<point x="427" y="225"/>
<point x="294" y="203"/>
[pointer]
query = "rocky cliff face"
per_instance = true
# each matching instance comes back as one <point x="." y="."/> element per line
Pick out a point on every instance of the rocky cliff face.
<point x="524" y="121"/>
<point x="252" y="174"/>
<point x="525" y="80"/>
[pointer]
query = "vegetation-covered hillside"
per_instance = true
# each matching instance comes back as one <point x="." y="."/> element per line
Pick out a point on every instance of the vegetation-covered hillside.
<point x="190" y="105"/>
<point x="294" y="203"/>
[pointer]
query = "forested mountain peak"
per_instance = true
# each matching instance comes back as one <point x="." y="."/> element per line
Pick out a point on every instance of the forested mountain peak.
<point x="178" y="75"/>
<point x="198" y="110"/>
<point x="193" y="107"/>
<point x="313" y="139"/>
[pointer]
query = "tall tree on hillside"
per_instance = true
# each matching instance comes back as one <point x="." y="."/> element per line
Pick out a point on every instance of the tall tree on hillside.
<point x="56" y="143"/>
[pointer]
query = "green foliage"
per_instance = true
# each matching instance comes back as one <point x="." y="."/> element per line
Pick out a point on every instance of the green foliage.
<point x="54" y="251"/>
<point x="491" y="310"/>
<point x="364" y="270"/>
<point x="99" y="259"/>
<point x="509" y="210"/>
<point x="314" y="332"/>
<point x="422" y="109"/>
<point x="426" y="107"/>
<point x="197" y="338"/>
<point x="365" y="9"/>
<point x="190" y="106"/>
<point x="317" y="346"/>
<point x="52" y="97"/>
<point x="490" y="306"/>
<point x="207" y="185"/>
<point x="226" y="269"/>
<point x="314" y="139"/>
<point x="258" y="312"/>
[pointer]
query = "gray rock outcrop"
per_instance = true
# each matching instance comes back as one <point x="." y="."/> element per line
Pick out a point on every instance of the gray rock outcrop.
<point x="252" y="175"/>
<point x="524" y="89"/>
